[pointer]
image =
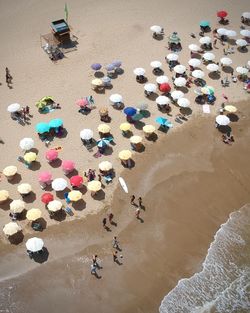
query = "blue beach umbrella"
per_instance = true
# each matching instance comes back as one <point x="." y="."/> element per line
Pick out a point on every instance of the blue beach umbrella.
<point x="110" y="67"/>
<point x="57" y="122"/>
<point x="204" y="24"/>
<point x="96" y="66"/>
<point x="129" y="111"/>
<point x="42" y="128"/>
<point x="102" y="143"/>
<point x="161" y="120"/>
<point x="117" y="63"/>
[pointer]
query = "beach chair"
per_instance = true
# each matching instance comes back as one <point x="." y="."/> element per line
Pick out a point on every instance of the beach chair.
<point x="108" y="179"/>
<point x="69" y="211"/>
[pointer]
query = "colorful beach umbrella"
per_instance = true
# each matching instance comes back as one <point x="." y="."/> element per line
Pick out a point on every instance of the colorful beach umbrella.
<point x="26" y="143"/>
<point x="102" y="143"/>
<point x="94" y="185"/>
<point x="76" y="181"/>
<point x="105" y="166"/>
<point x="4" y="195"/>
<point x="51" y="155"/>
<point x="125" y="154"/>
<point x="33" y="214"/>
<point x="230" y="108"/>
<point x="74" y="195"/>
<point x="24" y="188"/>
<point x="148" y="129"/>
<point x="42" y="128"/>
<point x="135" y="139"/>
<point x="104" y="128"/>
<point x="129" y="111"/>
<point x="117" y="63"/>
<point x="57" y="122"/>
<point x="96" y="66"/>
<point x="11" y="228"/>
<point x="125" y="127"/>
<point x="44" y="177"/>
<point x="161" y="120"/>
<point x="59" y="184"/>
<point x="54" y="206"/>
<point x="17" y="206"/>
<point x="68" y="165"/>
<point x="9" y="171"/>
<point x="110" y="67"/>
<point x="165" y="87"/>
<point x="204" y="23"/>
<point x="82" y="102"/>
<point x="30" y="157"/>
<point x="222" y="14"/>
<point x="47" y="197"/>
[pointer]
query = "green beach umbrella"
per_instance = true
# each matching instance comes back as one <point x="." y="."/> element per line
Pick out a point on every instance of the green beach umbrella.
<point x="41" y="104"/>
<point x="57" y="122"/>
<point x="174" y="38"/>
<point x="204" y="24"/>
<point x="42" y="128"/>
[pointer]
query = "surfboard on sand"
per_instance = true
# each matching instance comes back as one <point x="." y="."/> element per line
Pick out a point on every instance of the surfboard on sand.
<point x="123" y="184"/>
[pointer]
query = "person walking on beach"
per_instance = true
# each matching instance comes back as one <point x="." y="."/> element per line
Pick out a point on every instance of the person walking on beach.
<point x="137" y="213"/>
<point x="115" y="243"/>
<point x="132" y="200"/>
<point x="110" y="217"/>
<point x="93" y="270"/>
<point x="104" y="222"/>
<point x="115" y="257"/>
<point x="140" y="202"/>
<point x="94" y="260"/>
<point x="8" y="77"/>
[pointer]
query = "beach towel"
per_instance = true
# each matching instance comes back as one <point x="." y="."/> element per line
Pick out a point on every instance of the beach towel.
<point x="206" y="108"/>
<point x="57" y="148"/>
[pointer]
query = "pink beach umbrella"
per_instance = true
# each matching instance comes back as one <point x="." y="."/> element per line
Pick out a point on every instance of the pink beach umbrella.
<point x="68" y="166"/>
<point x="82" y="102"/>
<point x="44" y="177"/>
<point x="51" y="155"/>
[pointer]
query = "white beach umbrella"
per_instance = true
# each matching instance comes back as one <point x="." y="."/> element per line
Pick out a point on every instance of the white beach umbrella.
<point x="245" y="33"/>
<point x="205" y="40"/>
<point x="241" y="70"/>
<point x="162" y="100"/>
<point x="14" y="107"/>
<point x="180" y="82"/>
<point x="26" y="143"/>
<point x="183" y="102"/>
<point x="208" y="56"/>
<point x="222" y="120"/>
<point x="221" y="31"/>
<point x="231" y="33"/>
<point x="246" y="15"/>
<point x="248" y="64"/>
<point x="150" y="87"/>
<point x="139" y="71"/>
<point x="180" y="69"/>
<point x="17" y="206"/>
<point x="226" y="61"/>
<point x="172" y="57"/>
<point x="212" y="67"/>
<point x="156" y="64"/>
<point x="241" y="42"/>
<point x="34" y="244"/>
<point x="54" y="205"/>
<point x="59" y="184"/>
<point x="86" y="134"/>
<point x="105" y="166"/>
<point x="194" y="62"/>
<point x="177" y="94"/>
<point x="11" y="228"/>
<point x="156" y="29"/>
<point x="198" y="74"/>
<point x="115" y="98"/>
<point x="194" y="47"/>
<point x="142" y="106"/>
<point x="162" y="79"/>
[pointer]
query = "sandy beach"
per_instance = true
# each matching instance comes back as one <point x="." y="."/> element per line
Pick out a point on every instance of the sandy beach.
<point x="190" y="181"/>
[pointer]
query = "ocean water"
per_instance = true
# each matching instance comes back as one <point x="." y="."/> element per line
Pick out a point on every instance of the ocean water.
<point x="223" y="285"/>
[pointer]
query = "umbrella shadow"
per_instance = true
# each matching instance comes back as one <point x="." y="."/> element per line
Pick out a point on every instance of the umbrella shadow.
<point x="100" y="195"/>
<point x="112" y="75"/>
<point x="196" y="55"/>
<point x="158" y="72"/>
<point x="186" y="111"/>
<point x="41" y="257"/>
<point x="72" y="173"/>
<point x="153" y="137"/>
<point x="56" y="163"/>
<point x="22" y="215"/>
<point x="228" y="69"/>
<point x="109" y="86"/>
<point x="141" y="149"/>
<point x="163" y="129"/>
<point x="108" y="151"/>
<point x="16" y="179"/>
<point x="152" y="96"/>
<point x="132" y="164"/>
<point x="119" y="71"/>
<point x="183" y="89"/>
<point x="79" y="205"/>
<point x="224" y="129"/>
<point x="145" y="113"/>
<point x="233" y="117"/>
<point x="100" y="91"/>
<point x="60" y="194"/>
<point x="231" y="42"/>
<point x="35" y="166"/>
<point x="159" y="37"/>
<point x="99" y="74"/>
<point x="16" y="238"/>
<point x="139" y="125"/>
<point x="31" y="197"/>
<point x="59" y="216"/>
<point x="214" y="75"/>
<point x="242" y="49"/>
<point x="42" y="222"/>
<point x="64" y="134"/>
<point x="83" y="189"/>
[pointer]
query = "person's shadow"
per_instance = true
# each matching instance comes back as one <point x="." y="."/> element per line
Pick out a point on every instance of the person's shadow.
<point x="118" y="262"/>
<point x="113" y="223"/>
<point x="140" y="219"/>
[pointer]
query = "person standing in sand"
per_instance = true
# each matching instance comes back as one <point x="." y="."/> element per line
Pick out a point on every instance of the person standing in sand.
<point x="137" y="213"/>
<point x="110" y="217"/>
<point x="140" y="202"/>
<point x="104" y="222"/>
<point x="115" y="257"/>
<point x="132" y="199"/>
<point x="115" y="243"/>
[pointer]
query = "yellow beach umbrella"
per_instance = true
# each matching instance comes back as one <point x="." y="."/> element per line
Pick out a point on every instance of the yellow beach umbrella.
<point x="103" y="128"/>
<point x="24" y="189"/>
<point x="54" y="205"/>
<point x="75" y="195"/>
<point x="125" y="154"/>
<point x="97" y="82"/>
<point x="10" y="170"/>
<point x="105" y="166"/>
<point x="230" y="108"/>
<point x="4" y="195"/>
<point x="17" y="206"/>
<point x="33" y="214"/>
<point x="30" y="157"/>
<point x="125" y="127"/>
<point x="135" y="139"/>
<point x="11" y="228"/>
<point x="148" y="129"/>
<point x="94" y="185"/>
<point x="103" y="111"/>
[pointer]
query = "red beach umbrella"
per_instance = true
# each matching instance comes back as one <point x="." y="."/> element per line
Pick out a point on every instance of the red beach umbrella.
<point x="222" y="14"/>
<point x="47" y="197"/>
<point x="51" y="155"/>
<point x="76" y="181"/>
<point x="165" y="87"/>
<point x="44" y="177"/>
<point x="68" y="165"/>
<point x="82" y="102"/>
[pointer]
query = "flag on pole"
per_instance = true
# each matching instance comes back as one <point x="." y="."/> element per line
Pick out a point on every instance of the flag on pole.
<point x="66" y="12"/>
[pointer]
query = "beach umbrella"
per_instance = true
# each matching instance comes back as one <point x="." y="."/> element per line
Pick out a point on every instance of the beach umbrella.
<point x="162" y="100"/>
<point x="194" y="47"/>
<point x="129" y="111"/>
<point x="94" y="185"/>
<point x="115" y="98"/>
<point x="208" y="56"/>
<point x="198" y="74"/>
<point x="125" y="127"/>
<point x="54" y="206"/>
<point x="212" y="67"/>
<point x="198" y="91"/>
<point x="33" y="214"/>
<point x="156" y="64"/>
<point x="103" y="111"/>
<point x="102" y="143"/>
<point x="221" y="31"/>
<point x="41" y="104"/>
<point x="180" y="82"/>
<point x="150" y="87"/>
<point x="205" y="40"/>
<point x="105" y="166"/>
<point x="230" y="108"/>
<point x="183" y="102"/>
<point x="162" y="79"/>
<point x="222" y="14"/>
<point x="241" y="42"/>
<point x="139" y="71"/>
<point x="10" y="170"/>
<point x="47" y="197"/>
<point x="117" y="63"/>
<point x="34" y="244"/>
<point x="86" y="134"/>
<point x="177" y="94"/>
<point x="110" y="67"/>
<point x="96" y="66"/>
<point x="104" y="128"/>
<point x="246" y="15"/>
<point x="11" y="228"/>
<point x="24" y="188"/>
<point x="76" y="181"/>
<point x="207" y="90"/>
<point x="245" y="33"/>
<point x="161" y="120"/>
<point x="96" y="82"/>
<point x="17" y="206"/>
<point x="82" y="102"/>
<point x="26" y="143"/>
<point x="106" y="80"/>
<point x="4" y="195"/>
<point x="172" y="57"/>
<point x="68" y="165"/>
<point x="125" y="154"/>
<point x="135" y="139"/>
<point x="194" y="62"/>
<point x="174" y="38"/>
<point x="44" y="177"/>
<point x="148" y="129"/>
<point x="165" y="87"/>
<point x="226" y="61"/>
<point x="14" y="107"/>
<point x="156" y="29"/>
<point x="57" y="122"/>
<point x="204" y="24"/>
<point x="241" y="70"/>
<point x="42" y="128"/>
<point x="231" y="33"/>
<point x="30" y="157"/>
<point x="180" y="69"/>
<point x="142" y="106"/>
<point x="75" y="195"/>
<point x="59" y="184"/>
<point x="222" y="120"/>
<point x="137" y="117"/>
<point x="51" y="155"/>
